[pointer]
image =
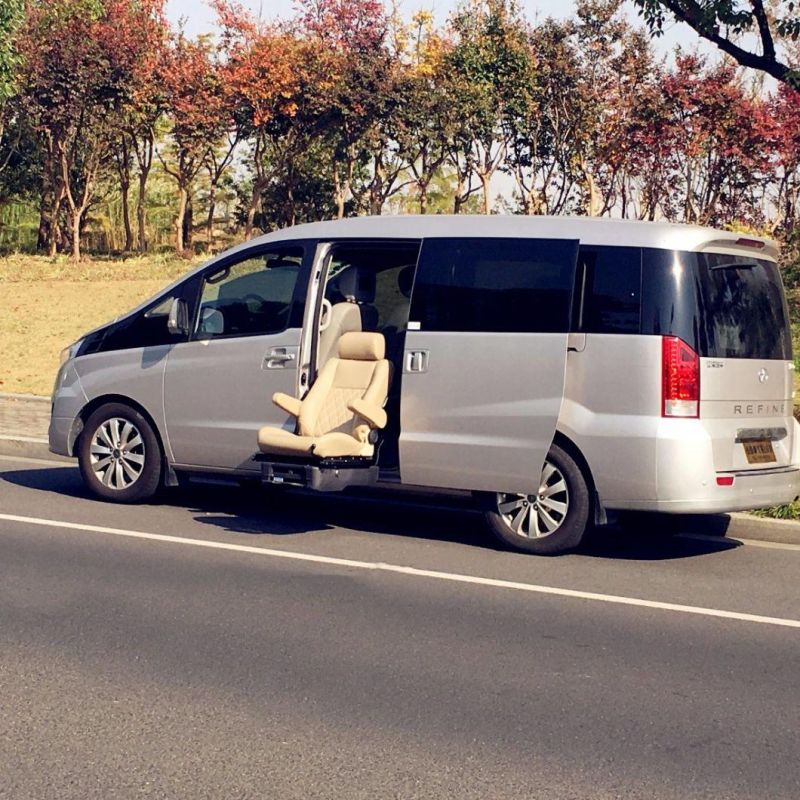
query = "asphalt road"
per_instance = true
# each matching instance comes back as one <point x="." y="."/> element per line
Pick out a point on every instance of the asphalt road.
<point x="330" y="648"/>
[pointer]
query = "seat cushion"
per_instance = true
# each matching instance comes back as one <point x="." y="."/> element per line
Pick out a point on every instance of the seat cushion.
<point x="279" y="442"/>
<point x="341" y="445"/>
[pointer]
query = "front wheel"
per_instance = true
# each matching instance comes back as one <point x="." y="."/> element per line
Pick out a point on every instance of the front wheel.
<point x="549" y="522"/>
<point x="119" y="455"/>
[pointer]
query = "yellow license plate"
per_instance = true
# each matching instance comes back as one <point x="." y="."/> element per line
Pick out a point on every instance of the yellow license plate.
<point x="759" y="451"/>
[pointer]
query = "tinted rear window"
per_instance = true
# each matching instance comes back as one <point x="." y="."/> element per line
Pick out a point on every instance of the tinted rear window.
<point x="495" y="285"/>
<point x="723" y="306"/>
<point x="611" y="289"/>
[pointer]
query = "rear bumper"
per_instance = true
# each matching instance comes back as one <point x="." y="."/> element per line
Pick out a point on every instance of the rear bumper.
<point x="684" y="477"/>
<point x="750" y="490"/>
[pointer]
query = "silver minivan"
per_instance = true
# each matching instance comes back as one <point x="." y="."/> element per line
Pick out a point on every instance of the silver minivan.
<point x="553" y="368"/>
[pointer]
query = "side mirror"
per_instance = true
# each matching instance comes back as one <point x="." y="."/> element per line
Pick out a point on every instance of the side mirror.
<point x="212" y="322"/>
<point x="178" y="320"/>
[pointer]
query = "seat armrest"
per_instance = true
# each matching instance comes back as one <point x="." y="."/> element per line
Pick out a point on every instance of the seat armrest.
<point x="376" y="417"/>
<point x="291" y="405"/>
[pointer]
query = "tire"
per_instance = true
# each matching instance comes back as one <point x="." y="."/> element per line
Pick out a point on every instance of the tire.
<point x="524" y="523"/>
<point x="119" y="455"/>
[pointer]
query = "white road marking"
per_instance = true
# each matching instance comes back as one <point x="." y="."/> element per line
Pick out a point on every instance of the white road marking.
<point x="13" y="437"/>
<point x="412" y="571"/>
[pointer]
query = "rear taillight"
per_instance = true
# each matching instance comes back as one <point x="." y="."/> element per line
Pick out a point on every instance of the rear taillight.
<point x="680" y="375"/>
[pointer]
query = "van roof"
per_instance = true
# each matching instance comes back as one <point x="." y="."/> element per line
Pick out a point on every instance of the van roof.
<point x="589" y="230"/>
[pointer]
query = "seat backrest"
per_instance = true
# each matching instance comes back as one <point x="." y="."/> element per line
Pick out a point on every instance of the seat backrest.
<point x="359" y="371"/>
<point x="344" y="318"/>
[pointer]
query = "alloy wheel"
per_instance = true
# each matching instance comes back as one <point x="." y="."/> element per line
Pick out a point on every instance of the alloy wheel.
<point x="117" y="453"/>
<point x="535" y="516"/>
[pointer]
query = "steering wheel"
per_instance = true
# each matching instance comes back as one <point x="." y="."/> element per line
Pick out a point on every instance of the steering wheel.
<point x="253" y="302"/>
<point x="326" y="317"/>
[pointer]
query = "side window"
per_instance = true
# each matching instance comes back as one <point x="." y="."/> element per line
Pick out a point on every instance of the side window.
<point x="495" y="285"/>
<point x="612" y="289"/>
<point x="261" y="294"/>
<point x="147" y="328"/>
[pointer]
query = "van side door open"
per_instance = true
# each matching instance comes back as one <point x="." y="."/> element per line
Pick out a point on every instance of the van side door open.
<point x="484" y="361"/>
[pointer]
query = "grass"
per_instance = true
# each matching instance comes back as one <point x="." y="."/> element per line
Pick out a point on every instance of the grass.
<point x="791" y="512"/>
<point x="48" y="303"/>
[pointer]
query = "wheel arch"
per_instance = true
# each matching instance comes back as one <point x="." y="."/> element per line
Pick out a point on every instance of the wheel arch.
<point x="104" y="399"/>
<point x="598" y="512"/>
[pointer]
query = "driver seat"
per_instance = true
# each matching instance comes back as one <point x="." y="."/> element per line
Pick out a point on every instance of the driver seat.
<point x="342" y="408"/>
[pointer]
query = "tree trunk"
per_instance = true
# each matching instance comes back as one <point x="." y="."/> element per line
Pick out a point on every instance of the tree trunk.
<point x="140" y="210"/>
<point x="212" y="204"/>
<point x="43" y="236"/>
<point x="485" y="180"/>
<point x="55" y="210"/>
<point x="183" y="196"/>
<point x="423" y="197"/>
<point x="255" y="202"/>
<point x="76" y="235"/>
<point x="188" y="222"/>
<point x="126" y="215"/>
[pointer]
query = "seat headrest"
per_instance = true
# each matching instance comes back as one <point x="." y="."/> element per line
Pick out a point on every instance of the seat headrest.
<point x="356" y="285"/>
<point x="362" y="346"/>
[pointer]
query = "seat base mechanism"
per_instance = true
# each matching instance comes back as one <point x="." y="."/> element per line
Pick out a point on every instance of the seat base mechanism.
<point x="327" y="475"/>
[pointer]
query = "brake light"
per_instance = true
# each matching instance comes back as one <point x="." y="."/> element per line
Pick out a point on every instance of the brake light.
<point x="757" y="243"/>
<point x="680" y="368"/>
<point x="725" y="480"/>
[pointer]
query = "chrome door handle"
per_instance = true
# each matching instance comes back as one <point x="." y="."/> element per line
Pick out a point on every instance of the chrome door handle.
<point x="416" y="361"/>
<point x="278" y="358"/>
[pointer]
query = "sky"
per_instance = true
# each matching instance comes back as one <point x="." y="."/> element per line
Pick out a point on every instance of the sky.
<point x="200" y="19"/>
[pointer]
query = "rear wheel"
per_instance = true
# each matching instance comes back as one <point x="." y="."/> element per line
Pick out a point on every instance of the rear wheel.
<point x="549" y="522"/>
<point x="119" y="455"/>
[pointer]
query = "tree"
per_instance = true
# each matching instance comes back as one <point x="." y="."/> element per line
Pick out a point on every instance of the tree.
<point x="262" y="73"/>
<point x="10" y="19"/>
<point x="724" y="22"/>
<point x="145" y="107"/>
<point x="489" y="64"/>
<point x="785" y="110"/>
<point x="78" y="65"/>
<point x="722" y="142"/>
<point x="421" y="124"/>
<point x="348" y="89"/>
<point x="199" y="119"/>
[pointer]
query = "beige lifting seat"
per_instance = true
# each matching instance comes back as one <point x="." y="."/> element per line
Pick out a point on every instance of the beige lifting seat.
<point x="344" y="404"/>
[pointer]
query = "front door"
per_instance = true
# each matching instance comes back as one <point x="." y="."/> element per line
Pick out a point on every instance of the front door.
<point x="484" y="362"/>
<point x="245" y="346"/>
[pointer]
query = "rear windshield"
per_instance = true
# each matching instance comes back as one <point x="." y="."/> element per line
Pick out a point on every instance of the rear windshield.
<point x="723" y="306"/>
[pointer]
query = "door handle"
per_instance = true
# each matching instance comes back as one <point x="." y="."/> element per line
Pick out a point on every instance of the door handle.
<point x="278" y="358"/>
<point x="416" y="361"/>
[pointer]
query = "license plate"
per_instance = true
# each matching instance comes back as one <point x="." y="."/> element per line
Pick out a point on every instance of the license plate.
<point x="759" y="451"/>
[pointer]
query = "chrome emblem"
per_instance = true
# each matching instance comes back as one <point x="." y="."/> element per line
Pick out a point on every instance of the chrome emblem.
<point x="763" y="375"/>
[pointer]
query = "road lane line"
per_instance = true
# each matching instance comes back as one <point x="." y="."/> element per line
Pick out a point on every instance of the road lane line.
<point x="13" y="437"/>
<point x="412" y="571"/>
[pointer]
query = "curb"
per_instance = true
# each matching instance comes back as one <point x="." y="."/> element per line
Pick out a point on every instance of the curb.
<point x="29" y="447"/>
<point x="27" y="397"/>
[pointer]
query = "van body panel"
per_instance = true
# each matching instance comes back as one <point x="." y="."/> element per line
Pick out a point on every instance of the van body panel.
<point x="135" y="373"/>
<point x="483" y="414"/>
<point x="218" y="393"/>
<point x="611" y="406"/>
